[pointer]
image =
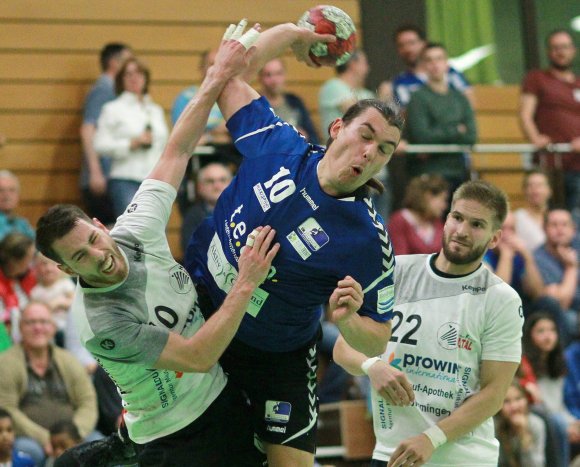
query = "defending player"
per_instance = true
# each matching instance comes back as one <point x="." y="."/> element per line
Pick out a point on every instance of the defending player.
<point x="319" y="203"/>
<point x="455" y="347"/>
<point x="137" y="312"/>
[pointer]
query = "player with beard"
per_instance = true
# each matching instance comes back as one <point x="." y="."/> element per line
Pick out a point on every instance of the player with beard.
<point x="455" y="345"/>
<point x="550" y="113"/>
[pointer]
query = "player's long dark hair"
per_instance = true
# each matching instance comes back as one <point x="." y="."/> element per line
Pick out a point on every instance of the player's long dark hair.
<point x="553" y="365"/>
<point x="390" y="111"/>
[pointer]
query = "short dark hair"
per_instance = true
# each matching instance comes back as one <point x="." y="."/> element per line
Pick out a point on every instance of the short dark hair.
<point x="5" y="414"/>
<point x="111" y="51"/>
<point x="119" y="85"/>
<point x="487" y="194"/>
<point x="390" y="111"/>
<point x="557" y="31"/>
<point x="409" y="28"/>
<point x="58" y="221"/>
<point x="14" y="246"/>
<point x="66" y="427"/>
<point x="433" y="45"/>
<point x="418" y="187"/>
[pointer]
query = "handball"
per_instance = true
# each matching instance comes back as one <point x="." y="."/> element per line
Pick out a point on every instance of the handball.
<point x="326" y="19"/>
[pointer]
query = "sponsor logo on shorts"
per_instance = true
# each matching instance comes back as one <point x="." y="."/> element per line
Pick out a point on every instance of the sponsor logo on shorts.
<point x="313" y="234"/>
<point x="180" y="280"/>
<point x="262" y="198"/>
<point x="108" y="344"/>
<point x="278" y="411"/>
<point x="276" y="429"/>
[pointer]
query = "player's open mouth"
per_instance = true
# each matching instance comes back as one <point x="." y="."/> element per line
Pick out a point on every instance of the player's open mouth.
<point x="356" y="170"/>
<point x="108" y="265"/>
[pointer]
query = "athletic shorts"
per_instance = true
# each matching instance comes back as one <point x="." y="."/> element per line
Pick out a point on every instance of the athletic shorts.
<point x="281" y="388"/>
<point x="221" y="437"/>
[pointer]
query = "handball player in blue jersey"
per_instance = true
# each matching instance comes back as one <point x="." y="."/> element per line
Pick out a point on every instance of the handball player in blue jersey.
<point x="319" y="203"/>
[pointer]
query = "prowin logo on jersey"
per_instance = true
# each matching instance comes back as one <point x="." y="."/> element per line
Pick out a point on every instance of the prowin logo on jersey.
<point x="180" y="280"/>
<point x="278" y="411"/>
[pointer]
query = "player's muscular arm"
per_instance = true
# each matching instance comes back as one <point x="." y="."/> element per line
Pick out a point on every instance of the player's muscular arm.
<point x="271" y="43"/>
<point x="389" y="382"/>
<point x="495" y="380"/>
<point x="200" y="352"/>
<point x="362" y="333"/>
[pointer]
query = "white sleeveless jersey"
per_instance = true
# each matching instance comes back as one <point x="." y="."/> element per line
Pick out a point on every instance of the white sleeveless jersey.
<point x="126" y="326"/>
<point x="442" y="330"/>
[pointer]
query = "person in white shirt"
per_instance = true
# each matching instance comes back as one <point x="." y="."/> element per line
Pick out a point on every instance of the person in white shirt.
<point x="132" y="131"/>
<point x="455" y="345"/>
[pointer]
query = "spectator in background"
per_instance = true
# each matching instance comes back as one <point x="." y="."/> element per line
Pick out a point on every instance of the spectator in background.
<point x="132" y="131"/>
<point x="418" y="227"/>
<point x="56" y="289"/>
<point x="9" y="198"/>
<point x="215" y="130"/>
<point x="544" y="370"/>
<point x="550" y="113"/>
<point x="530" y="218"/>
<point x="212" y="179"/>
<point x="40" y="383"/>
<point x="64" y="434"/>
<point x="95" y="169"/>
<point x="439" y="114"/>
<point x="9" y="456"/>
<point x="572" y="383"/>
<point x="216" y="135"/>
<point x="336" y="96"/>
<point x="288" y="107"/>
<point x="521" y="433"/>
<point x="410" y="41"/>
<point x="17" y="278"/>
<point x="557" y="261"/>
<point x="515" y="264"/>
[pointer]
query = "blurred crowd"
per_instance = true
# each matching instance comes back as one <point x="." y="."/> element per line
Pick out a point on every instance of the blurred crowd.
<point x="53" y="394"/>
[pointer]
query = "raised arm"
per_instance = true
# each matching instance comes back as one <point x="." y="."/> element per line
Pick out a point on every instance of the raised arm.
<point x="271" y="43"/>
<point x="232" y="58"/>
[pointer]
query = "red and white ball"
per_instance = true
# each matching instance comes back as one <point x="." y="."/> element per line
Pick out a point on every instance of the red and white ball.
<point x="327" y="19"/>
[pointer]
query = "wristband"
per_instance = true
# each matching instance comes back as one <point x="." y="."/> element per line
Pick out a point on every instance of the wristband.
<point x="368" y="363"/>
<point x="436" y="436"/>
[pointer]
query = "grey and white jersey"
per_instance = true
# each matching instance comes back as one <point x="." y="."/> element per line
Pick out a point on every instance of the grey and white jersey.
<point x="443" y="328"/>
<point x="126" y="326"/>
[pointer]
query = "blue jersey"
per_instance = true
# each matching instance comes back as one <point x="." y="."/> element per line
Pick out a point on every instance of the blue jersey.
<point x="322" y="238"/>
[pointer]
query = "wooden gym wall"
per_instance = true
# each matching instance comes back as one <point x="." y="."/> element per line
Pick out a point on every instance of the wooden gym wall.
<point x="49" y="59"/>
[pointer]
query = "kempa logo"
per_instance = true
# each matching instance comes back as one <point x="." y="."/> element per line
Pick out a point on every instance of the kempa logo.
<point x="473" y="289"/>
<point x="108" y="344"/>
